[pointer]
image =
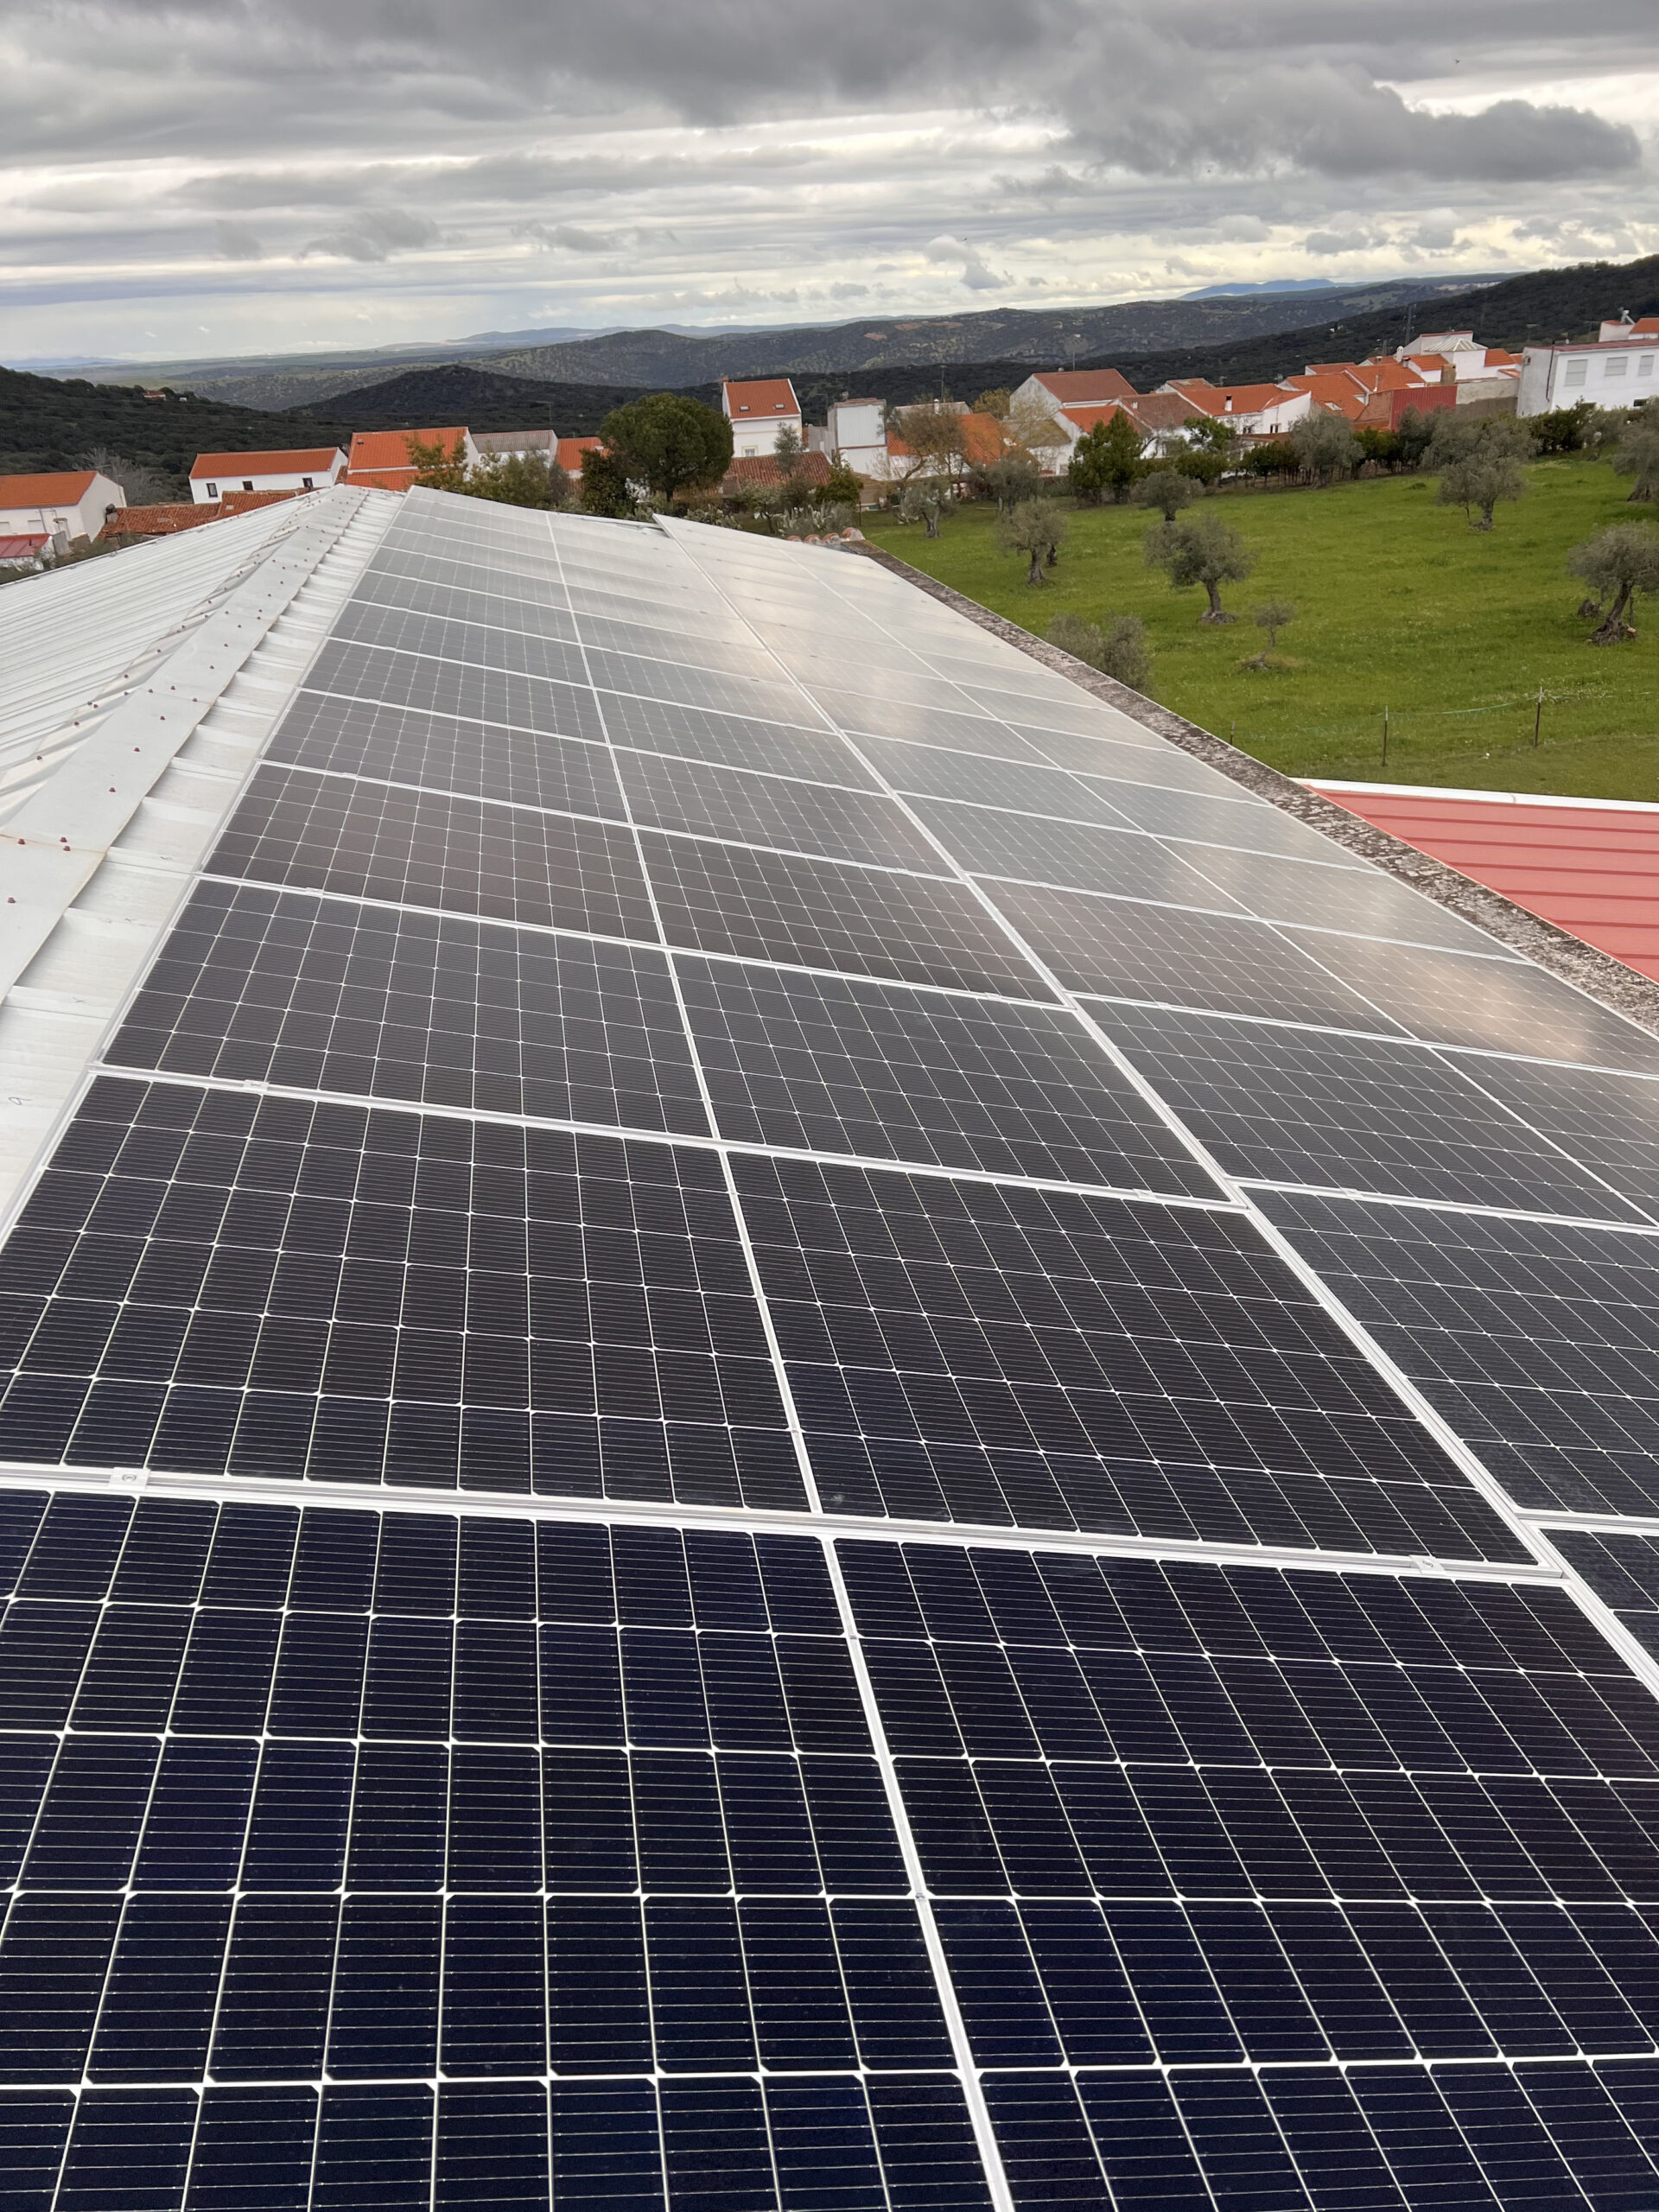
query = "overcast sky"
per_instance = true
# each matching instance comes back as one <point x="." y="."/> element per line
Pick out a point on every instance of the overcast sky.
<point x="226" y="176"/>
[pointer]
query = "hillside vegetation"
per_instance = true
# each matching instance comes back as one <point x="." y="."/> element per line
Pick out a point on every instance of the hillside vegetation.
<point x="1544" y="305"/>
<point x="456" y="392"/>
<point x="1400" y="605"/>
<point x="47" y="423"/>
<point x="678" y="359"/>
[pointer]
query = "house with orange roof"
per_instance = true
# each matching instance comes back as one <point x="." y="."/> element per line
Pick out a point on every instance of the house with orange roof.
<point x="764" y="472"/>
<point x="983" y="440"/>
<point x="67" y="505"/>
<point x="569" y="451"/>
<point x="757" y="410"/>
<point x="304" y="469"/>
<point x="379" y="460"/>
<point x="1254" y="410"/>
<point x="1161" y="418"/>
<point x="167" y="517"/>
<point x="1338" y="391"/>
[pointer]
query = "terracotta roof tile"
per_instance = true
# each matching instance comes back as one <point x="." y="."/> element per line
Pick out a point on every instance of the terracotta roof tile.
<point x="64" y="489"/>
<point x="304" y="461"/>
<point x="1085" y="387"/>
<point x="764" y="395"/>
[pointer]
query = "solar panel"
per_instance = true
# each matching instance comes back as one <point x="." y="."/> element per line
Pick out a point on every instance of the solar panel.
<point x="787" y="1426"/>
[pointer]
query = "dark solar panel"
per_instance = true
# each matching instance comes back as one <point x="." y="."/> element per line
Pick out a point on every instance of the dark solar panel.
<point x="1302" y="1106"/>
<point x="998" y="1354"/>
<point x="827" y="1063"/>
<point x="586" y="1821"/>
<point x="1538" y="1341"/>
<point x="1132" y="948"/>
<point x="208" y="1282"/>
<point x="1610" y="1122"/>
<point x="730" y="741"/>
<point x="818" y="913"/>
<point x="557" y="1842"/>
<point x="1216" y="1822"/>
<point x="441" y="752"/>
<point x="1499" y="1005"/>
<point x="929" y="771"/>
<point x="1622" y="1570"/>
<point x="1072" y="854"/>
<point x="756" y="810"/>
<point x="428" y="848"/>
<point x="489" y="695"/>
<point x="496" y="610"/>
<point x="476" y="645"/>
<point x="325" y="994"/>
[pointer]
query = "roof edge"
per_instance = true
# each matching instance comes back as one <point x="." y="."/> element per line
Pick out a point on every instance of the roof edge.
<point x="1478" y="797"/>
<point x="1598" y="975"/>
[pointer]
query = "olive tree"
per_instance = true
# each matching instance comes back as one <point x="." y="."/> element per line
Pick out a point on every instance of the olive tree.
<point x="1014" y="477"/>
<point x="1035" y="527"/>
<point x="1478" y="463"/>
<point x="1168" y="491"/>
<point x="519" y="480"/>
<point x="1200" y="549"/>
<point x="1324" y="446"/>
<point x="925" y="499"/>
<point x="1639" y="454"/>
<point x="1272" y="615"/>
<point x="1617" y="563"/>
<point x="1119" y="649"/>
<point x="932" y="430"/>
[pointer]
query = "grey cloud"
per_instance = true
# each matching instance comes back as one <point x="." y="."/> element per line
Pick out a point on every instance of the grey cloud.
<point x="976" y="275"/>
<point x="375" y="235"/>
<point x="1330" y="242"/>
<point x="236" y="241"/>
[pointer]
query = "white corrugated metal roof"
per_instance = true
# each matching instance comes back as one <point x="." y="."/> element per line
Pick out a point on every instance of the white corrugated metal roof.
<point x="74" y="641"/>
<point x="190" y="661"/>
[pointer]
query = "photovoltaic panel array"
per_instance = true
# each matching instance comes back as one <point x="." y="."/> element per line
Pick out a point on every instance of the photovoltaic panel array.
<point x="855" y="1396"/>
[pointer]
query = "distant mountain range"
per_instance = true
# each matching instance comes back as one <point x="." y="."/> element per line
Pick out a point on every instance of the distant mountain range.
<point x="674" y="358"/>
<point x="1273" y="284"/>
<point x="1546" y="303"/>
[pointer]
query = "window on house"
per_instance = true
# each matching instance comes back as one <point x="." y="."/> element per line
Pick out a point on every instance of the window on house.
<point x="306" y="481"/>
<point x="1576" y="372"/>
<point x="247" y="483"/>
<point x="1644" y="366"/>
<point x="1617" y="365"/>
<point x="213" y="491"/>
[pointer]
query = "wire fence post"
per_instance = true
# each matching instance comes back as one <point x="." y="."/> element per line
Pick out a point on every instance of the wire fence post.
<point x="1538" y="717"/>
<point x="1385" y="737"/>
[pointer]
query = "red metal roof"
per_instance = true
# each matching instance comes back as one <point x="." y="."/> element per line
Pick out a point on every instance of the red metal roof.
<point x="1590" y="866"/>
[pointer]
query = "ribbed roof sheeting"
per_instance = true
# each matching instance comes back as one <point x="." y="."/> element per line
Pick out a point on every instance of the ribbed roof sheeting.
<point x="1590" y="866"/>
<point x="74" y="641"/>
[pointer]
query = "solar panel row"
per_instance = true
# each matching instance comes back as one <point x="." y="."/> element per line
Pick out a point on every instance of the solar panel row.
<point x="686" y="1030"/>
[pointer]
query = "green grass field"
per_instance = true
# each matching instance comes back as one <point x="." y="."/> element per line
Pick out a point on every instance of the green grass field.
<point x="1401" y="604"/>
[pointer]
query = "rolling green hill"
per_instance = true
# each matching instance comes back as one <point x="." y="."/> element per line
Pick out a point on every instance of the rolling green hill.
<point x="1400" y="605"/>
<point x="47" y="422"/>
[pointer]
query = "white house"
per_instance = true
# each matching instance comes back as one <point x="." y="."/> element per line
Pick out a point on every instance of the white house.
<point x="66" y="506"/>
<point x="308" y="468"/>
<point x="758" y="411"/>
<point x="1611" y="373"/>
<point x="516" y="445"/>
<point x="1161" y="417"/>
<point x="1254" y="410"/>
<point x="1055" y="390"/>
<point x="857" y="431"/>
